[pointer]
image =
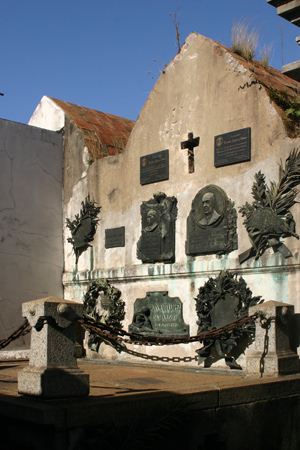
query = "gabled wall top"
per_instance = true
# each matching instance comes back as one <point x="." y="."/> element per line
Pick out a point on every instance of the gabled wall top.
<point x="104" y="134"/>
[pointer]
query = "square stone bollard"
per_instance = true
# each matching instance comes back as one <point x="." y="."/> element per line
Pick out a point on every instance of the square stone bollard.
<point x="271" y="355"/>
<point x="53" y="371"/>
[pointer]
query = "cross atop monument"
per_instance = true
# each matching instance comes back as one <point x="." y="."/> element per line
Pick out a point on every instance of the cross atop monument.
<point x="189" y="145"/>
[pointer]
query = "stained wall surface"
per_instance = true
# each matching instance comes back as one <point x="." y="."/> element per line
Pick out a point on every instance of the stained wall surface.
<point x="31" y="221"/>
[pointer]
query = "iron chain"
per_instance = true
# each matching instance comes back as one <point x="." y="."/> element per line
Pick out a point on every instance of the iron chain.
<point x="117" y="335"/>
<point x="21" y="331"/>
<point x="161" y="358"/>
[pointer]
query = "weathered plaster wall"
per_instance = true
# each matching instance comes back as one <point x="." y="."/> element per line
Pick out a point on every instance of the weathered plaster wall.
<point x="31" y="246"/>
<point x="203" y="90"/>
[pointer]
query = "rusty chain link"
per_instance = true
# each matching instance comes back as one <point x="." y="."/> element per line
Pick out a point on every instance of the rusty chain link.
<point x="21" y="331"/>
<point x="161" y="358"/>
<point x="117" y="335"/>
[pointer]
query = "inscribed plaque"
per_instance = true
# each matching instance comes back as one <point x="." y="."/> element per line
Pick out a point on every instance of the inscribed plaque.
<point x="157" y="314"/>
<point x="115" y="237"/>
<point x="154" y="167"/>
<point x="233" y="147"/>
<point x="211" y="224"/>
<point x="157" y="241"/>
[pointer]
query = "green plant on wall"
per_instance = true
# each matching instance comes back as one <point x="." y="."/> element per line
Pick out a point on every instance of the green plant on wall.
<point x="291" y="106"/>
<point x="244" y="42"/>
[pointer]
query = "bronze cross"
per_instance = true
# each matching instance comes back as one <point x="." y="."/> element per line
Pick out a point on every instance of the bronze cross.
<point x="190" y="144"/>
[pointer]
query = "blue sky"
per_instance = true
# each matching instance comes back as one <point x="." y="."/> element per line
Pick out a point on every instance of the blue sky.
<point x="100" y="53"/>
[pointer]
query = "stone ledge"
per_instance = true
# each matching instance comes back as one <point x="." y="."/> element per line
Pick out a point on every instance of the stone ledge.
<point x="277" y="3"/>
<point x="290" y="11"/>
<point x="14" y="355"/>
<point x="168" y="271"/>
<point x="123" y="384"/>
<point x="292" y="70"/>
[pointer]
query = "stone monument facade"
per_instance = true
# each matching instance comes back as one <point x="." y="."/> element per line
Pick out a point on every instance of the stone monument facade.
<point x="175" y="246"/>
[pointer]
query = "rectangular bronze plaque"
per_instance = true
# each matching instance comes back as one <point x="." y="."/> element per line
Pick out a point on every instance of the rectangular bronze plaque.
<point x="154" y="167"/>
<point x="151" y="246"/>
<point x="206" y="241"/>
<point x="159" y="315"/>
<point x="115" y="237"/>
<point x="233" y="147"/>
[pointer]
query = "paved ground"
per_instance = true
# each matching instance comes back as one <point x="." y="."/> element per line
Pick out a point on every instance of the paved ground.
<point x="220" y="404"/>
<point x="115" y="379"/>
<point x="119" y="379"/>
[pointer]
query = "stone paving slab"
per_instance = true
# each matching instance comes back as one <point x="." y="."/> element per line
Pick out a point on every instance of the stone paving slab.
<point x="123" y="390"/>
<point x="213" y="405"/>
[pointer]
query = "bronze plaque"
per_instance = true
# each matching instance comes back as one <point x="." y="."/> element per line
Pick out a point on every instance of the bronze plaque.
<point x="157" y="314"/>
<point x="233" y="147"/>
<point x="212" y="223"/>
<point x="154" y="167"/>
<point x="224" y="311"/>
<point x="157" y="241"/>
<point x="115" y="237"/>
<point x="203" y="242"/>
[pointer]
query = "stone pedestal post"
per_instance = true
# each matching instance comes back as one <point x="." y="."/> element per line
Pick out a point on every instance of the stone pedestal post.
<point x="270" y="355"/>
<point x="53" y="370"/>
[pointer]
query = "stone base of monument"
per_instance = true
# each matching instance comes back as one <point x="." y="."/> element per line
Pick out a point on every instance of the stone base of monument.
<point x="53" y="383"/>
<point x="274" y="364"/>
<point x="271" y="355"/>
<point x="53" y="371"/>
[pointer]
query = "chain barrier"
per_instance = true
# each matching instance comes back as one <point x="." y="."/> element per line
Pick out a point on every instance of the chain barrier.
<point x="266" y="324"/>
<point x="161" y="358"/>
<point x="117" y="335"/>
<point x="21" y="331"/>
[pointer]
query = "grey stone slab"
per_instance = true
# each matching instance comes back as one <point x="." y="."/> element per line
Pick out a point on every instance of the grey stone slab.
<point x="258" y="391"/>
<point x="53" y="383"/>
<point x="292" y="70"/>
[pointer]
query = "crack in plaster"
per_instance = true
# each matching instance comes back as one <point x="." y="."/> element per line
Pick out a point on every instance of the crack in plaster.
<point x="39" y="234"/>
<point x="52" y="209"/>
<point x="32" y="258"/>
<point x="11" y="159"/>
<point x="45" y="171"/>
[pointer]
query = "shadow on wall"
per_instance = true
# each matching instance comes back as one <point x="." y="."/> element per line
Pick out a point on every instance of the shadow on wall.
<point x="295" y="332"/>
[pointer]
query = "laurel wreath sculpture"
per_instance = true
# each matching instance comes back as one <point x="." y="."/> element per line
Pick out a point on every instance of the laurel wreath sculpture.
<point x="83" y="227"/>
<point x="103" y="303"/>
<point x="269" y="219"/>
<point x="234" y="296"/>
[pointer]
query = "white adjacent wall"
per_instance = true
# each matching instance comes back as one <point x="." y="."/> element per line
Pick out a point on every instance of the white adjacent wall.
<point x="31" y="247"/>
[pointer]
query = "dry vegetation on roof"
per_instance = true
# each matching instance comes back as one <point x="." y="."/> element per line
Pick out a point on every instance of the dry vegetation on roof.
<point x="265" y="56"/>
<point x="243" y="41"/>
